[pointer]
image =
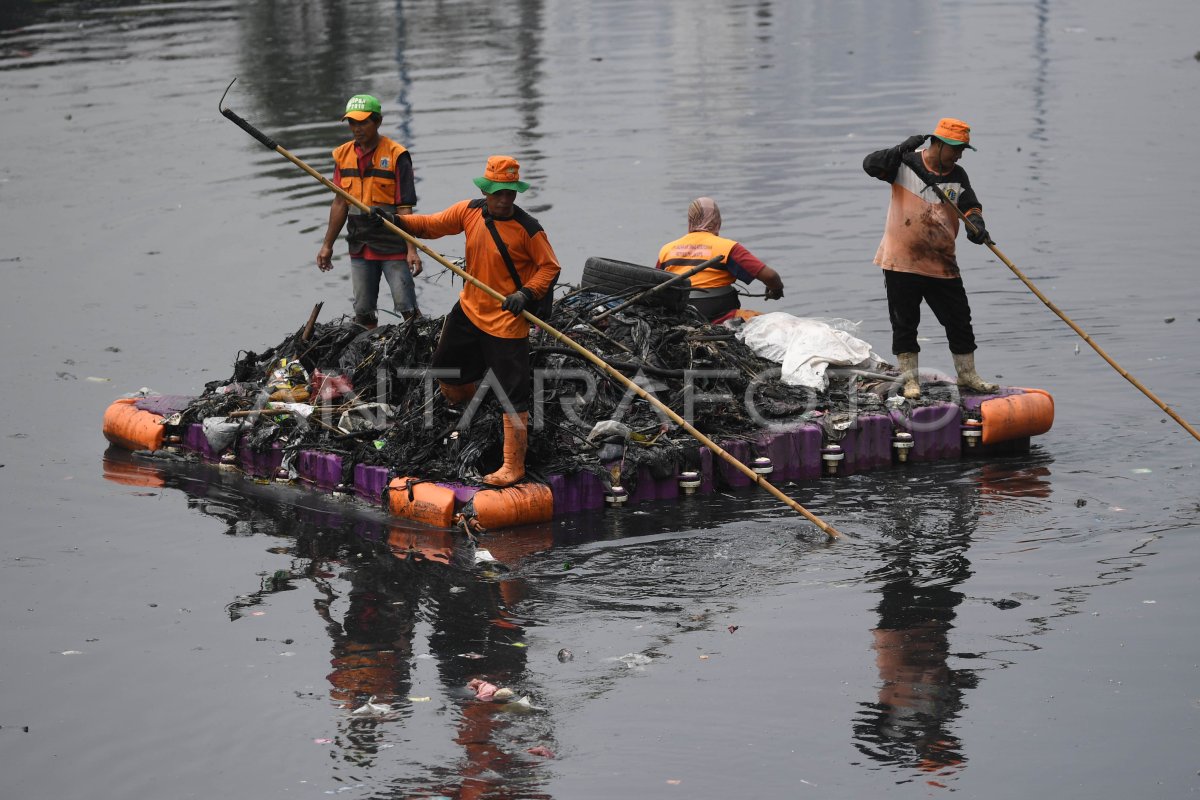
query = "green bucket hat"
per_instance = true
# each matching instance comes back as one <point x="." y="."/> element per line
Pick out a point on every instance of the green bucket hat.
<point x="502" y="172"/>
<point x="362" y="106"/>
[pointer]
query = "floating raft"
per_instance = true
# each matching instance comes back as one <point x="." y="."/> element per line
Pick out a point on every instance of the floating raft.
<point x="396" y="442"/>
<point x="977" y="426"/>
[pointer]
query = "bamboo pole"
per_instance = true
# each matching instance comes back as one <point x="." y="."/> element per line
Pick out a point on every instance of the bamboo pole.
<point x="598" y="362"/>
<point x="1045" y="300"/>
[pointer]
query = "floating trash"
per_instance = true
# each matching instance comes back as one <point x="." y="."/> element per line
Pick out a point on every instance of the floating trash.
<point x="633" y="660"/>
<point x="373" y="710"/>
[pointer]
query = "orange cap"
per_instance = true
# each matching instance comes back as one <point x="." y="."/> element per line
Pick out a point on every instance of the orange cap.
<point x="953" y="132"/>
<point x="502" y="172"/>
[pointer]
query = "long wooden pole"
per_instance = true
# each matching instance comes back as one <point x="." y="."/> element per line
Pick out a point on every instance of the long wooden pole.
<point x="598" y="362"/>
<point x="1083" y="334"/>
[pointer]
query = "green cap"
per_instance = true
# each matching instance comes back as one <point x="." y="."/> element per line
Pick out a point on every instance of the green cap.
<point x="361" y="106"/>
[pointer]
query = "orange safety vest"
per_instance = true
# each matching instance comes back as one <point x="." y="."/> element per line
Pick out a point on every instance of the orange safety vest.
<point x="693" y="250"/>
<point x="376" y="188"/>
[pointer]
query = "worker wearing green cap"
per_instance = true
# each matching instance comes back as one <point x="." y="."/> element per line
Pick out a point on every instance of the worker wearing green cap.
<point x="378" y="173"/>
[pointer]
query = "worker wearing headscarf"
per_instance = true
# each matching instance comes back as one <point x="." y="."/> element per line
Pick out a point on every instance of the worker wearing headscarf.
<point x="713" y="293"/>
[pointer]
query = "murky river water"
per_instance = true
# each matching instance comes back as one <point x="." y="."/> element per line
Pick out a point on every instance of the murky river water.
<point x="1018" y="628"/>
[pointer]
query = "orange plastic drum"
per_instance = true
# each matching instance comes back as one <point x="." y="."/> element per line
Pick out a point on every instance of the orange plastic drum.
<point x="127" y="426"/>
<point x="427" y="503"/>
<point x="1016" y="416"/>
<point x="522" y="504"/>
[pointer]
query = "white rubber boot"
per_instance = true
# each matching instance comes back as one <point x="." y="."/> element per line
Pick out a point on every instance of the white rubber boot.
<point x="908" y="373"/>
<point x="968" y="378"/>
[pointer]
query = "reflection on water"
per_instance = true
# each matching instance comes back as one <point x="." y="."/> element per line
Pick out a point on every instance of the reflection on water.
<point x="624" y="111"/>
<point x="373" y="585"/>
<point x="392" y="597"/>
<point x="925" y="558"/>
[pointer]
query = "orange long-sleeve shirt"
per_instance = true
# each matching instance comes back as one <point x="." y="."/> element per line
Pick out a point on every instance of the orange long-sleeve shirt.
<point x="531" y="253"/>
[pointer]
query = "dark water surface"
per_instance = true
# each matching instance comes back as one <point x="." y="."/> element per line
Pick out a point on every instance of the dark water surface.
<point x="1018" y="628"/>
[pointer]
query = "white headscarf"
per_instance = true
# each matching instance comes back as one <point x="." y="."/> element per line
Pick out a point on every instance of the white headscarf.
<point x="703" y="215"/>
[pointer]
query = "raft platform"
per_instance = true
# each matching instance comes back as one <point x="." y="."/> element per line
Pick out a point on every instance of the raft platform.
<point x="976" y="426"/>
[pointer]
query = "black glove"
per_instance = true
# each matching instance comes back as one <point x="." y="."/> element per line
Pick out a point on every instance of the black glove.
<point x="773" y="293"/>
<point x="378" y="216"/>
<point x="913" y="142"/>
<point x="980" y="235"/>
<point x="515" y="303"/>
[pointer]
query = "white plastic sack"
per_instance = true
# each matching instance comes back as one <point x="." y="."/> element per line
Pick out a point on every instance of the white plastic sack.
<point x="804" y="347"/>
<point x="220" y="432"/>
<point x="299" y="409"/>
<point x="368" y="416"/>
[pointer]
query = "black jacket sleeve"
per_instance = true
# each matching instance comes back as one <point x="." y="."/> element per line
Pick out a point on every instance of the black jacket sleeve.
<point x="967" y="200"/>
<point x="884" y="164"/>
<point x="408" y="184"/>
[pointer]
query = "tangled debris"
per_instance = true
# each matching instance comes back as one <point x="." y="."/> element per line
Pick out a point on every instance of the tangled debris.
<point x="369" y="397"/>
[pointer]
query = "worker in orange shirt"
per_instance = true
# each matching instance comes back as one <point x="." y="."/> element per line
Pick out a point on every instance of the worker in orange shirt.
<point x="508" y="251"/>
<point x="917" y="252"/>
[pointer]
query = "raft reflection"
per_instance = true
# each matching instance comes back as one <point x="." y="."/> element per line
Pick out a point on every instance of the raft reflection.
<point x="382" y="591"/>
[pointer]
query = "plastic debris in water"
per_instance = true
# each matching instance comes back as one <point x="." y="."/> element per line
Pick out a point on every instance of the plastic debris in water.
<point x="483" y="556"/>
<point x="482" y="689"/>
<point x="565" y="655"/>
<point x="633" y="660"/>
<point x="522" y="705"/>
<point x="375" y="710"/>
<point x="541" y="750"/>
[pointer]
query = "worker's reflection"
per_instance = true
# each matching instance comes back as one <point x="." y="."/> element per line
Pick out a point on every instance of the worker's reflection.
<point x="431" y="578"/>
<point x="911" y="722"/>
<point x="393" y="598"/>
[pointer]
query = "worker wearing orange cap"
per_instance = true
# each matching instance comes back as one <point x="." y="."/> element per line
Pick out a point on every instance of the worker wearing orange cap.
<point x="508" y="251"/>
<point x="917" y="253"/>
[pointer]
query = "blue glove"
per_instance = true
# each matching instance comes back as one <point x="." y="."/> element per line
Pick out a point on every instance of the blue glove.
<point x="515" y="303"/>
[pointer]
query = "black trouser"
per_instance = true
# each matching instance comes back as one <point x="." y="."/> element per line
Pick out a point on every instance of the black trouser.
<point x="715" y="303"/>
<point x="946" y="298"/>
<point x="465" y="347"/>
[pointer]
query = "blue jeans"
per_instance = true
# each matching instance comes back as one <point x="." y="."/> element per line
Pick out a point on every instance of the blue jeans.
<point x="364" y="277"/>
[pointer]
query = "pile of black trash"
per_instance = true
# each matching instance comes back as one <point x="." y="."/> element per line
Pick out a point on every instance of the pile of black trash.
<point x="367" y="395"/>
